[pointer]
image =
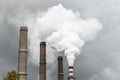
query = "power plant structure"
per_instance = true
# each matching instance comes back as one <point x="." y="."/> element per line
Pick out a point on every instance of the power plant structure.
<point x="42" y="61"/>
<point x="60" y="68"/>
<point x="71" y="77"/>
<point x="22" y="59"/>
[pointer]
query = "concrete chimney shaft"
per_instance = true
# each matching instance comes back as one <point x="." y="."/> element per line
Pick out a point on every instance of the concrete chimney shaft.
<point x="22" y="58"/>
<point x="60" y="68"/>
<point x="42" y="61"/>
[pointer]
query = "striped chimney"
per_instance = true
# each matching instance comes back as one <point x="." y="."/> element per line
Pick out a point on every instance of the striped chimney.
<point x="71" y="77"/>
<point x="70" y="71"/>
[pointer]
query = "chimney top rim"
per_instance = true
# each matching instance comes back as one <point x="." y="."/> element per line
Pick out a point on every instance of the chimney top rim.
<point x="60" y="57"/>
<point x="23" y="28"/>
<point x="42" y="43"/>
<point x="70" y="67"/>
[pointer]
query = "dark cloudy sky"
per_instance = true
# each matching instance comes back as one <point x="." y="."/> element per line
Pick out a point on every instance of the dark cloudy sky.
<point x="99" y="59"/>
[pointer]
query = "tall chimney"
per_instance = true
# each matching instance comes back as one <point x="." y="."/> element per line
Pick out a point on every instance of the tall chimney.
<point x="42" y="61"/>
<point x="60" y="68"/>
<point x="71" y="77"/>
<point x="22" y="61"/>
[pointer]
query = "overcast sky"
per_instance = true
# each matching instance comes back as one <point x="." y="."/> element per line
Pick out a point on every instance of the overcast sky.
<point x="99" y="59"/>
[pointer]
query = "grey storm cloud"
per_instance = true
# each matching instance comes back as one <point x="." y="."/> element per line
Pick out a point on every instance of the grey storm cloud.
<point x="99" y="59"/>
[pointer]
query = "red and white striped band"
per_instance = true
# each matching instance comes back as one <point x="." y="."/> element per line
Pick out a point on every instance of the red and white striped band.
<point x="70" y="71"/>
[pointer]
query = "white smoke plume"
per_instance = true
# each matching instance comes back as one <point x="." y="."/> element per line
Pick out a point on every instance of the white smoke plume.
<point x="71" y="31"/>
<point x="64" y="30"/>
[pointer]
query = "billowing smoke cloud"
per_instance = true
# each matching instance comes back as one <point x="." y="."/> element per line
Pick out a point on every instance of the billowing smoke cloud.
<point x="72" y="31"/>
<point x="63" y="29"/>
<point x="102" y="52"/>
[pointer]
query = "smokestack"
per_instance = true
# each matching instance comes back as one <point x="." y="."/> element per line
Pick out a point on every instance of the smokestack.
<point x="22" y="61"/>
<point x="42" y="61"/>
<point x="71" y="77"/>
<point x="60" y="68"/>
